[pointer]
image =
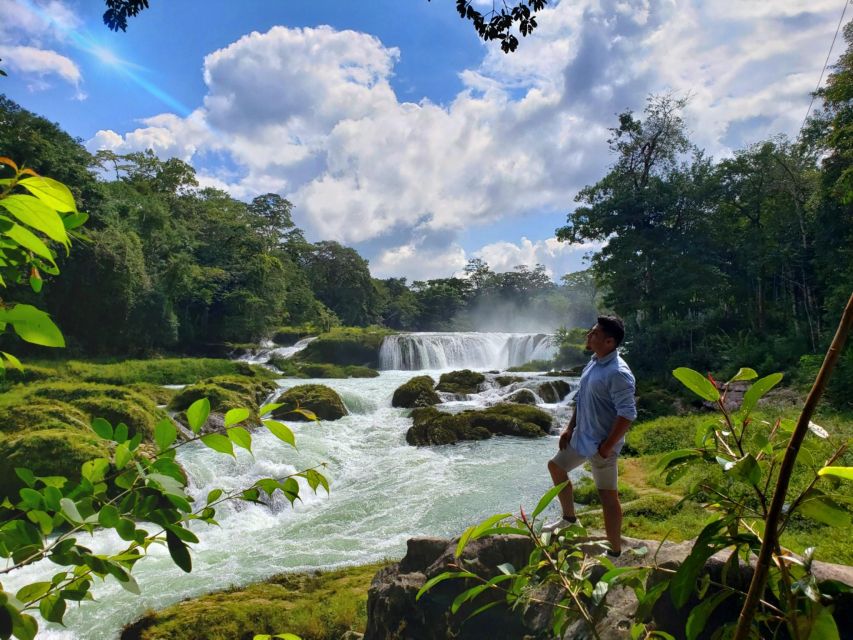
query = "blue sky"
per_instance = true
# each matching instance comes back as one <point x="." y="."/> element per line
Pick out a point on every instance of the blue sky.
<point x="390" y="126"/>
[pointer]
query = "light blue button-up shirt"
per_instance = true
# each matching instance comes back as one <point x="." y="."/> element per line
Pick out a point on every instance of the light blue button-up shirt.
<point x="606" y="390"/>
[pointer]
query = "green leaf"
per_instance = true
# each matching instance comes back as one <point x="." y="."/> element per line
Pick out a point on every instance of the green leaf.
<point x="447" y="575"/>
<point x="75" y="220"/>
<point x="235" y="416"/>
<point x="103" y="428"/>
<point x="746" y="469"/>
<point x="697" y="621"/>
<point x="179" y="552"/>
<point x="281" y="431"/>
<point x="214" y="495"/>
<point x="165" y="434"/>
<point x="697" y="383"/>
<point x="108" y="516"/>
<point x="676" y="457"/>
<point x="757" y="391"/>
<point x="547" y="498"/>
<point x="33" y="591"/>
<point x="13" y="361"/>
<point x="120" y="433"/>
<point x="240" y="437"/>
<point x="37" y="215"/>
<point x="820" y="507"/>
<point x="683" y="583"/>
<point x="29" y="241"/>
<point x="52" y="608"/>
<point x="69" y="510"/>
<point x="744" y="373"/>
<point x="32" y="325"/>
<point x="840" y="472"/>
<point x="129" y="584"/>
<point x="824" y="627"/>
<point x="36" y="283"/>
<point x="197" y="414"/>
<point x="122" y="456"/>
<point x="126" y="529"/>
<point x="268" y="408"/>
<point x="218" y="442"/>
<point x="51" y="192"/>
<point x="24" y="627"/>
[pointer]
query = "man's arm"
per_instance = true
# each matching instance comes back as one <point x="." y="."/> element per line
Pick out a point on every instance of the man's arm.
<point x="617" y="431"/>
<point x="569" y="430"/>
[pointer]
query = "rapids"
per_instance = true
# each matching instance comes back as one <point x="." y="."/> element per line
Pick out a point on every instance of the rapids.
<point x="383" y="492"/>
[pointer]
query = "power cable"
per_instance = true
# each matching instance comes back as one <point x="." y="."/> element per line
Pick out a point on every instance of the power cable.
<point x="825" y="65"/>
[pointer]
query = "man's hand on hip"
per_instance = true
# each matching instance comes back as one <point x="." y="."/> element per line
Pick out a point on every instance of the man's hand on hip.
<point x="605" y="451"/>
<point x="564" y="439"/>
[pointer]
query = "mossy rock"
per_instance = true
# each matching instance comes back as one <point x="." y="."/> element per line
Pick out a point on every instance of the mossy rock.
<point x="554" y="391"/>
<point x="288" y="336"/>
<point x="433" y="427"/>
<point x="255" y="390"/>
<point x="137" y="418"/>
<point x="31" y="373"/>
<point x="41" y="415"/>
<point x="322" y="401"/>
<point x="314" y="606"/>
<point x="505" y="381"/>
<point x="221" y="399"/>
<point x="532" y="366"/>
<point x="345" y="347"/>
<point x="325" y="370"/>
<point x="464" y="381"/>
<point x="417" y="392"/>
<point x="156" y="393"/>
<point x="287" y="366"/>
<point x="522" y="396"/>
<point x="48" y="452"/>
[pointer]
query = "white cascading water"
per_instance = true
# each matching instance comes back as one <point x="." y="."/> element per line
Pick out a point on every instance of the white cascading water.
<point x="383" y="492"/>
<point x="269" y="349"/>
<point x="472" y="350"/>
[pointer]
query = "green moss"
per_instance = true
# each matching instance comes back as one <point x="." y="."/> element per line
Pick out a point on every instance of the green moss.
<point x="433" y="427"/>
<point x="533" y="365"/>
<point x="505" y="381"/>
<point x="417" y="392"/>
<point x="160" y="371"/>
<point x="221" y="399"/>
<point x="31" y="373"/>
<point x="155" y="392"/>
<point x="317" y="606"/>
<point x="287" y="336"/>
<point x="38" y="415"/>
<point x="287" y="366"/>
<point x="324" y="402"/>
<point x="325" y="370"/>
<point x="464" y="381"/>
<point x="346" y="346"/>
<point x="665" y="434"/>
<point x="48" y="452"/>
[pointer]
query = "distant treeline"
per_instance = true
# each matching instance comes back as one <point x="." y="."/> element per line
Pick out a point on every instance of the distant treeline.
<point x="747" y="261"/>
<point x="168" y="266"/>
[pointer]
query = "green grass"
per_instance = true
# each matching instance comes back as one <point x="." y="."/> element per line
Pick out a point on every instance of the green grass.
<point x="160" y="371"/>
<point x="346" y="346"/>
<point x="317" y="606"/>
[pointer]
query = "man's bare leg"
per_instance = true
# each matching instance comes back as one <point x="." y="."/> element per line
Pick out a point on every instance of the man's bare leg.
<point x="612" y="509"/>
<point x="567" y="502"/>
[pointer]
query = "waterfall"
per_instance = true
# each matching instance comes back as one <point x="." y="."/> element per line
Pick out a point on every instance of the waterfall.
<point x="411" y="351"/>
<point x="268" y="349"/>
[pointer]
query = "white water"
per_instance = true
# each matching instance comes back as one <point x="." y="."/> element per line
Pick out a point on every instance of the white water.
<point x="269" y="349"/>
<point x="383" y="492"/>
<point x="471" y="350"/>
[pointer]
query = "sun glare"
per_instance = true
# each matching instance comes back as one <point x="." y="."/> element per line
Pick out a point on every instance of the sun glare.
<point x="106" y="56"/>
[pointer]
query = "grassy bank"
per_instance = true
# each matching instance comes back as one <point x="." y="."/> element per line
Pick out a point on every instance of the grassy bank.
<point x="315" y="606"/>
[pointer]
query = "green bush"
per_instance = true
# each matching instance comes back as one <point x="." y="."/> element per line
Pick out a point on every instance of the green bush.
<point x="315" y="606"/>
<point x="662" y="435"/>
<point x="417" y="392"/>
<point x="324" y="402"/>
<point x="463" y="382"/>
<point x="48" y="452"/>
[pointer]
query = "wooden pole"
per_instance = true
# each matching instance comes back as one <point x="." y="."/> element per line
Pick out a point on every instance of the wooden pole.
<point x="759" y="577"/>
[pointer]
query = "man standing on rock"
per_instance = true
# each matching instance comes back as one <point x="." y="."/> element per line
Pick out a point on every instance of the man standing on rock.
<point x="604" y="410"/>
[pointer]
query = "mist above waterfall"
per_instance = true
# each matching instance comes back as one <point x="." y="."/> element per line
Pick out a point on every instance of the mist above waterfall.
<point x="512" y="317"/>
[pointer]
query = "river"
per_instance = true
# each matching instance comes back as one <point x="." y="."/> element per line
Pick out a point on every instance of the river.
<point x="383" y="492"/>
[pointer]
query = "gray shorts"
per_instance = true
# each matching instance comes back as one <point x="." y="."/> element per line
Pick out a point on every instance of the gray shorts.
<point x="604" y="470"/>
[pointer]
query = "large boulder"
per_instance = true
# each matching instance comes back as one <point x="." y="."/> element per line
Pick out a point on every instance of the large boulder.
<point x="417" y="392"/>
<point x="554" y="390"/>
<point x="346" y="346"/>
<point x="322" y="401"/>
<point x="464" y="381"/>
<point x="434" y="427"/>
<point x="522" y="396"/>
<point x="394" y="613"/>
